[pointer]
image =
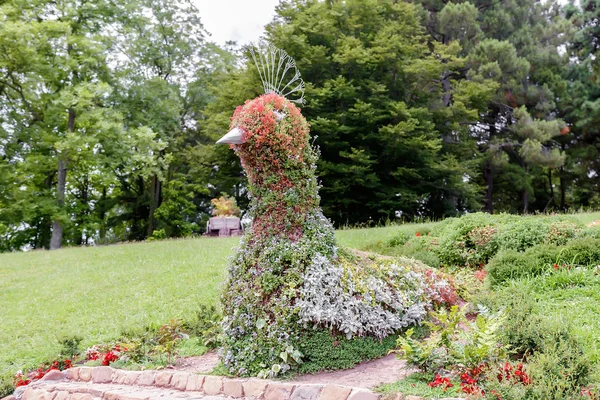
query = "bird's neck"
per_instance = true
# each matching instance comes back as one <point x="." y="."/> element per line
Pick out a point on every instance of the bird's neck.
<point x="281" y="199"/>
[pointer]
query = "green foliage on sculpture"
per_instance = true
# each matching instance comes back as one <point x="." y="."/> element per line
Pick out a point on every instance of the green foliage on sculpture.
<point x="288" y="280"/>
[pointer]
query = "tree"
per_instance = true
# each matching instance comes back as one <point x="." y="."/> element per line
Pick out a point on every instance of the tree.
<point x="54" y="88"/>
<point x="376" y="105"/>
<point x="517" y="44"/>
<point x="582" y="113"/>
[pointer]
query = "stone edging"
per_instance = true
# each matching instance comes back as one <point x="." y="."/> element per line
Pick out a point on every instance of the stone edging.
<point x="90" y="383"/>
<point x="97" y="383"/>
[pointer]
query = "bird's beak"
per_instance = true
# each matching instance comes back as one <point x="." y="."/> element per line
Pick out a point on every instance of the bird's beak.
<point x="234" y="136"/>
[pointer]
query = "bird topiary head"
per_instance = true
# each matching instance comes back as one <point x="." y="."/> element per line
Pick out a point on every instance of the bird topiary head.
<point x="271" y="137"/>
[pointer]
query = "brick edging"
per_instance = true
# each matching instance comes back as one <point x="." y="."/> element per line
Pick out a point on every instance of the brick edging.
<point x="252" y="388"/>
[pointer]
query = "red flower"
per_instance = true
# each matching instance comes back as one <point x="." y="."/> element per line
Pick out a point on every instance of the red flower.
<point x="418" y="234"/>
<point x="109" y="358"/>
<point x="22" y="382"/>
<point x="440" y="381"/>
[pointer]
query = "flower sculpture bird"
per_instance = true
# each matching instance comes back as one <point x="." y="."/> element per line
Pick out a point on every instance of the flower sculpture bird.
<point x="288" y="280"/>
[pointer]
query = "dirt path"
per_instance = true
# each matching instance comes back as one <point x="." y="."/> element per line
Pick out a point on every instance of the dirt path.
<point x="369" y="374"/>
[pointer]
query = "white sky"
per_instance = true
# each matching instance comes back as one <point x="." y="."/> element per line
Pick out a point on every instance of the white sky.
<point x="240" y="20"/>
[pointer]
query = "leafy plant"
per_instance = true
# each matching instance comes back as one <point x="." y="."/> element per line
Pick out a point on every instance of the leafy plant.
<point x="168" y="336"/>
<point x="225" y="206"/>
<point x="454" y="342"/>
<point x="207" y="325"/>
<point x="323" y="351"/>
<point x="70" y="346"/>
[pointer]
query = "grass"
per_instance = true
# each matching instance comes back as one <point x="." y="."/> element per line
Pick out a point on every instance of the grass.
<point x="417" y="385"/>
<point x="374" y="238"/>
<point x="98" y="292"/>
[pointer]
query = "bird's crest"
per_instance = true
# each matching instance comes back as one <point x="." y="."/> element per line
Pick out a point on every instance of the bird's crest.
<point x="278" y="72"/>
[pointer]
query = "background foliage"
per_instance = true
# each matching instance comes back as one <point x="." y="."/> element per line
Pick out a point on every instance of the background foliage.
<point x="109" y="112"/>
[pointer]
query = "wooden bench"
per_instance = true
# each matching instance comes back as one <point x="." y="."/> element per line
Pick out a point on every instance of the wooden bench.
<point x="223" y="226"/>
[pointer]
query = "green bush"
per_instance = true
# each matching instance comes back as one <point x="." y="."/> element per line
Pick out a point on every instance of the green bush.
<point x="590" y="232"/>
<point x="510" y="264"/>
<point x="582" y="252"/>
<point x="323" y="351"/>
<point x="521" y="330"/>
<point x="475" y="238"/>
<point x="454" y="341"/>
<point x="557" y="361"/>
<point x="419" y="248"/>
<point x="397" y="239"/>
<point x="560" y="369"/>
<point x="460" y="238"/>
<point x="6" y="386"/>
<point x="206" y="326"/>
<point x="522" y="234"/>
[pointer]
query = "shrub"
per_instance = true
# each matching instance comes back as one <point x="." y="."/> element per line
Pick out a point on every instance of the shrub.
<point x="561" y="368"/>
<point x="521" y="331"/>
<point x="590" y="232"/>
<point x="225" y="206"/>
<point x="510" y="264"/>
<point x="397" y="239"/>
<point x="207" y="326"/>
<point x="475" y="238"/>
<point x="455" y="342"/>
<point x="419" y="248"/>
<point x="522" y="234"/>
<point x="459" y="238"/>
<point x="159" y="234"/>
<point x="583" y="252"/>
<point x="6" y="387"/>
<point x="562" y="231"/>
<point x="322" y="350"/>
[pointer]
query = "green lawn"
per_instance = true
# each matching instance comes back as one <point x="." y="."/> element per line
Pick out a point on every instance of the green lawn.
<point x="97" y="292"/>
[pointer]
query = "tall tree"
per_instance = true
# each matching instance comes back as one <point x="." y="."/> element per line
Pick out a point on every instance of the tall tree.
<point x="517" y="44"/>
<point x="54" y="76"/>
<point x="583" y="111"/>
<point x="376" y="94"/>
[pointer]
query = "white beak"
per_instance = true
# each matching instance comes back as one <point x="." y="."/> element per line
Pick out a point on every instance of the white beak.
<point x="234" y="136"/>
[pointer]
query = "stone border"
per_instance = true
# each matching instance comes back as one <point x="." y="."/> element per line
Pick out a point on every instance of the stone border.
<point x="93" y="383"/>
<point x="87" y="383"/>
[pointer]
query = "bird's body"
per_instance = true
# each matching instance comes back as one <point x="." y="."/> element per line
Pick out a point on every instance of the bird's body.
<point x="288" y="231"/>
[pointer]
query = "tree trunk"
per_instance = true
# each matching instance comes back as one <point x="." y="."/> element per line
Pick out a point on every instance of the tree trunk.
<point x="79" y="234"/>
<point x="446" y="100"/>
<point x="525" y="200"/>
<point x="155" y="198"/>
<point x="57" y="228"/>
<point x="563" y="189"/>
<point x="102" y="215"/>
<point x="551" y="187"/>
<point x="489" y="181"/>
<point x="525" y="193"/>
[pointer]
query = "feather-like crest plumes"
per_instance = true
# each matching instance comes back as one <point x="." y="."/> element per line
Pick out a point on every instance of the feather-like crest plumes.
<point x="278" y="72"/>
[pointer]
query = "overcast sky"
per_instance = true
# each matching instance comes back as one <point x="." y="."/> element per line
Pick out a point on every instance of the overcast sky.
<point x="240" y="20"/>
